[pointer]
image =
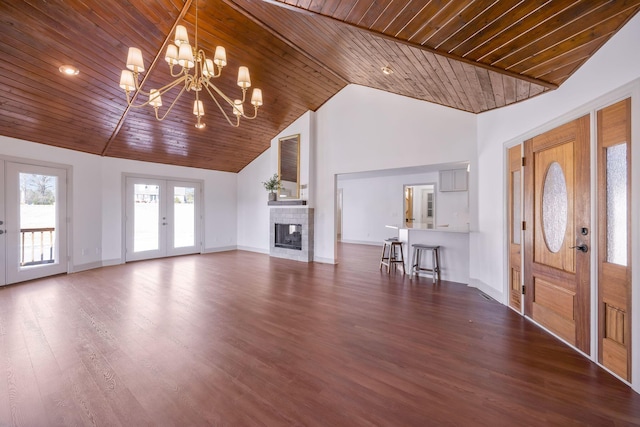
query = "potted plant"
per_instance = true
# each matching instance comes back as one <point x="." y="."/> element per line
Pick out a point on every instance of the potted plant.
<point x="272" y="184"/>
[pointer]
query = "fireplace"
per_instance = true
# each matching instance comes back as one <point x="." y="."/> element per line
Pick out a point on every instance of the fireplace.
<point x="291" y="233"/>
<point x="288" y="236"/>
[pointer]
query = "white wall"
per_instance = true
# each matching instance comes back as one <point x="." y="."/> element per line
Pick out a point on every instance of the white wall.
<point x="253" y="212"/>
<point x="363" y="129"/>
<point x="370" y="203"/>
<point x="97" y="200"/>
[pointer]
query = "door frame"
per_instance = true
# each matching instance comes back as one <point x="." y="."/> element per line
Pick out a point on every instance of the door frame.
<point x="630" y="90"/>
<point x="508" y="225"/>
<point x="200" y="224"/>
<point x="68" y="207"/>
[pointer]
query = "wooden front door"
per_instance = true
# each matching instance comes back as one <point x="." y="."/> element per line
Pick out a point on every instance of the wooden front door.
<point x="558" y="231"/>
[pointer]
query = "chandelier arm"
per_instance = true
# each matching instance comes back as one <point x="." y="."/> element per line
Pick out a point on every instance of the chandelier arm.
<point x="182" y="71"/>
<point x="170" y="106"/>
<point x="230" y="102"/>
<point x="206" y="86"/>
<point x="255" y="114"/>
<point x="219" y="92"/>
<point x="164" y="89"/>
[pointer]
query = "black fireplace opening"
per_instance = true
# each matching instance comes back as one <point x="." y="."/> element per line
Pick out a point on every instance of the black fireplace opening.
<point x="289" y="236"/>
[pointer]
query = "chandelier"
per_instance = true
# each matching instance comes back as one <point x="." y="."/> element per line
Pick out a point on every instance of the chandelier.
<point x="192" y="72"/>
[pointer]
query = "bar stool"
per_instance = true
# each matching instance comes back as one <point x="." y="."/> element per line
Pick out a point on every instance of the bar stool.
<point x="393" y="258"/>
<point x="416" y="268"/>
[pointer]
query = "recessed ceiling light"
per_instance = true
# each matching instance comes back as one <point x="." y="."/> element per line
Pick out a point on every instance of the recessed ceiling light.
<point x="386" y="70"/>
<point x="69" y="70"/>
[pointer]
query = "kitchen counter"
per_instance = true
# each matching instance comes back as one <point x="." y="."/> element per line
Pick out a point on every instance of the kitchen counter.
<point x="454" y="248"/>
<point x="430" y="227"/>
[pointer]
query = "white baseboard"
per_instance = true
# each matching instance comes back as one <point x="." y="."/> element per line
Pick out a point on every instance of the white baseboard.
<point x="252" y="249"/>
<point x="361" y="242"/>
<point x="96" y="264"/>
<point x="324" y="260"/>
<point x="85" y="267"/>
<point x="220" y="249"/>
<point x="110" y="262"/>
<point x="483" y="287"/>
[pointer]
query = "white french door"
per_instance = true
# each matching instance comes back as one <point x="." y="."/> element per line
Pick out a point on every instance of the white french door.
<point x="162" y="218"/>
<point x="35" y="225"/>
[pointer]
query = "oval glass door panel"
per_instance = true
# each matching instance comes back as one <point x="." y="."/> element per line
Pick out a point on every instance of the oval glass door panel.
<point x="554" y="207"/>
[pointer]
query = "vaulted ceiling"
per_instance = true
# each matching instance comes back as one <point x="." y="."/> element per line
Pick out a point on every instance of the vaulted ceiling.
<point x="472" y="55"/>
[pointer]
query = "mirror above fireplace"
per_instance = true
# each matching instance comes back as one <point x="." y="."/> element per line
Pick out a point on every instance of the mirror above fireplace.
<point x="289" y="167"/>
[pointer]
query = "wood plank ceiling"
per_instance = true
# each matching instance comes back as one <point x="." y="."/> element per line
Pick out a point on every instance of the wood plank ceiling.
<point x="471" y="55"/>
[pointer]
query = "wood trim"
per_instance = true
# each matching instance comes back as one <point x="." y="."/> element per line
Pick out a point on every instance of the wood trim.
<point x="515" y="250"/>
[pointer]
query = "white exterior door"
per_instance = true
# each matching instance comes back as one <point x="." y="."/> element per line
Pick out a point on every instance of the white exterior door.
<point x="35" y="230"/>
<point x="162" y="218"/>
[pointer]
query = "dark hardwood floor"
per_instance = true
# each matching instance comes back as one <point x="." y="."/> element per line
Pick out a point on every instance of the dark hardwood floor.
<point x="242" y="339"/>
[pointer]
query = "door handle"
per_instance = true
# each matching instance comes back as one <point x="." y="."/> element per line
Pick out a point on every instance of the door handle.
<point x="1" y="231"/>
<point x="582" y="248"/>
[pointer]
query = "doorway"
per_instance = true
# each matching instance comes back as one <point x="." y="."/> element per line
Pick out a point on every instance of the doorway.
<point x="35" y="228"/>
<point x="419" y="205"/>
<point x="162" y="218"/>
<point x="339" y="195"/>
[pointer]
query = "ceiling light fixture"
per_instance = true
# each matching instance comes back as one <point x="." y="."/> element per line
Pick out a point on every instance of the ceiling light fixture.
<point x="188" y="58"/>
<point x="386" y="70"/>
<point x="69" y="70"/>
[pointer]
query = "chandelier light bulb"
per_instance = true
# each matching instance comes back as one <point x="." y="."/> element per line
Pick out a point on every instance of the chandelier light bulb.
<point x="127" y="81"/>
<point x="181" y="35"/>
<point x="220" y="57"/>
<point x="134" y="60"/>
<point x="172" y="54"/>
<point x="185" y="56"/>
<point x="198" y="108"/>
<point x="256" y="97"/>
<point x="208" y="69"/>
<point x="244" y="81"/>
<point x="154" y="98"/>
<point x="237" y="108"/>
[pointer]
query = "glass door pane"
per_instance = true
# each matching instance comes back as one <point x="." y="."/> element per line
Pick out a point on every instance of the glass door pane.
<point x="184" y="217"/>
<point x="145" y="218"/>
<point x="37" y="219"/>
<point x="146" y="233"/>
<point x="616" y="195"/>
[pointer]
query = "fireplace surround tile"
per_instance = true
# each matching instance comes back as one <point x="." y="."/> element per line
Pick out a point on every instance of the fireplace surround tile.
<point x="293" y="215"/>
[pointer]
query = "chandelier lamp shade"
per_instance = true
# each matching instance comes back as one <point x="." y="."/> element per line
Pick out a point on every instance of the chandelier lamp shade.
<point x="192" y="72"/>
